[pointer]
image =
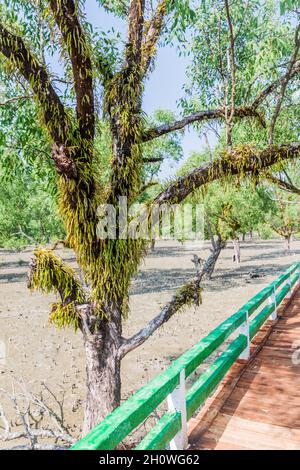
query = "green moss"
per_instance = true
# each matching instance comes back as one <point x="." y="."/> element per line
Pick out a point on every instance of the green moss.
<point x="49" y="273"/>
<point x="64" y="315"/>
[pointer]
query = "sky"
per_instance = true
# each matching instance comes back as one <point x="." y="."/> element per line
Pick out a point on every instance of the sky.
<point x="163" y="88"/>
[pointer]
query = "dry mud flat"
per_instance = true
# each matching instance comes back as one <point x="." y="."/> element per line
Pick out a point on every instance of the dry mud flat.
<point x="33" y="352"/>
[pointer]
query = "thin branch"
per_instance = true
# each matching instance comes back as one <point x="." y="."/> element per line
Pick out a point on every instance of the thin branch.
<point x="219" y="113"/>
<point x="260" y="98"/>
<point x="199" y="116"/>
<point x="231" y="64"/>
<point x="153" y="159"/>
<point x="189" y="293"/>
<point x="287" y="176"/>
<point x="147" y="186"/>
<point x="15" y="99"/>
<point x="31" y="415"/>
<point x="284" y="84"/>
<point x="287" y="186"/>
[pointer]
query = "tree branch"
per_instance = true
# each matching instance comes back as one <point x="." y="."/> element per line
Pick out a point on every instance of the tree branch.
<point x="284" y="85"/>
<point x="153" y="159"/>
<point x="199" y="116"/>
<point x="135" y="33"/>
<point x="219" y="113"/>
<point x="152" y="34"/>
<point x="189" y="293"/>
<point x="65" y="13"/>
<point x="243" y="160"/>
<point x="260" y="98"/>
<point x="55" y="117"/>
<point x="14" y="49"/>
<point x="231" y="67"/>
<point x="287" y="186"/>
<point x="15" y="99"/>
<point x="32" y="413"/>
<point x="147" y="186"/>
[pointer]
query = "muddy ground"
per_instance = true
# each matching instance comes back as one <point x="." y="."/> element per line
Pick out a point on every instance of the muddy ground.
<point x="32" y="352"/>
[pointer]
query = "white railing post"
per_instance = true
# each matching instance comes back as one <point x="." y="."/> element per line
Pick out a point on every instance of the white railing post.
<point x="272" y="300"/>
<point x="298" y="273"/>
<point x="244" y="330"/>
<point x="176" y="402"/>
<point x="289" y="294"/>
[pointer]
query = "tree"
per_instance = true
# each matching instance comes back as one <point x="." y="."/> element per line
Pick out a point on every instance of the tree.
<point x="284" y="219"/>
<point x="30" y="221"/>
<point x="25" y="166"/>
<point x="98" y="307"/>
<point x="236" y="210"/>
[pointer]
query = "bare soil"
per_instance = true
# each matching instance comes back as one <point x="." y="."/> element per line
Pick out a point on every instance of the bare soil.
<point x="33" y="352"/>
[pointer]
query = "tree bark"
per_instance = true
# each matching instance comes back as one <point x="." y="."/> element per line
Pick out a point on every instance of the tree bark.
<point x="288" y="243"/>
<point x="103" y="380"/>
<point x="237" y="251"/>
<point x="218" y="246"/>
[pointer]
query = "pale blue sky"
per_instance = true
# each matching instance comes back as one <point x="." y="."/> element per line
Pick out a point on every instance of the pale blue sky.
<point x="164" y="87"/>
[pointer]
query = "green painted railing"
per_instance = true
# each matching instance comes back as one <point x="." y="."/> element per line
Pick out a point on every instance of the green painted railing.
<point x="170" y="383"/>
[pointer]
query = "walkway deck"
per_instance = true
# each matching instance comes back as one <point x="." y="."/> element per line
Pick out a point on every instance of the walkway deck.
<point x="257" y="405"/>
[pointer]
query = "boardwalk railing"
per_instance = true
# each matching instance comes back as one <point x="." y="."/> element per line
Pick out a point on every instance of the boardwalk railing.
<point x="171" y="430"/>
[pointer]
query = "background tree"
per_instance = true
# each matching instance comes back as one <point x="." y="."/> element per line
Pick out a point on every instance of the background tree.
<point x="102" y="80"/>
<point x="232" y="208"/>
<point x="284" y="219"/>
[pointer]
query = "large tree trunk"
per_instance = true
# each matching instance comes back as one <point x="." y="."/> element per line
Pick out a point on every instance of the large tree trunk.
<point x="103" y="380"/>
<point x="103" y="385"/>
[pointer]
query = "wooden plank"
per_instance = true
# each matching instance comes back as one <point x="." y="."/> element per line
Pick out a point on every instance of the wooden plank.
<point x="264" y="415"/>
<point x="253" y="434"/>
<point x="263" y="410"/>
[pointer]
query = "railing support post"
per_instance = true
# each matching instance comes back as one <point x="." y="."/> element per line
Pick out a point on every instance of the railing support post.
<point x="272" y="300"/>
<point x="176" y="402"/>
<point x="289" y="294"/>
<point x="298" y="273"/>
<point x="244" y="330"/>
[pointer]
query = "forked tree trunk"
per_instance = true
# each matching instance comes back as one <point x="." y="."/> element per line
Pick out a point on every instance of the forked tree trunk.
<point x="103" y="380"/>
<point x="237" y="251"/>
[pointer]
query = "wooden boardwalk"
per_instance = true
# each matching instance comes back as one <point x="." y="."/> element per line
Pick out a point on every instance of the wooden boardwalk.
<point x="257" y="405"/>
